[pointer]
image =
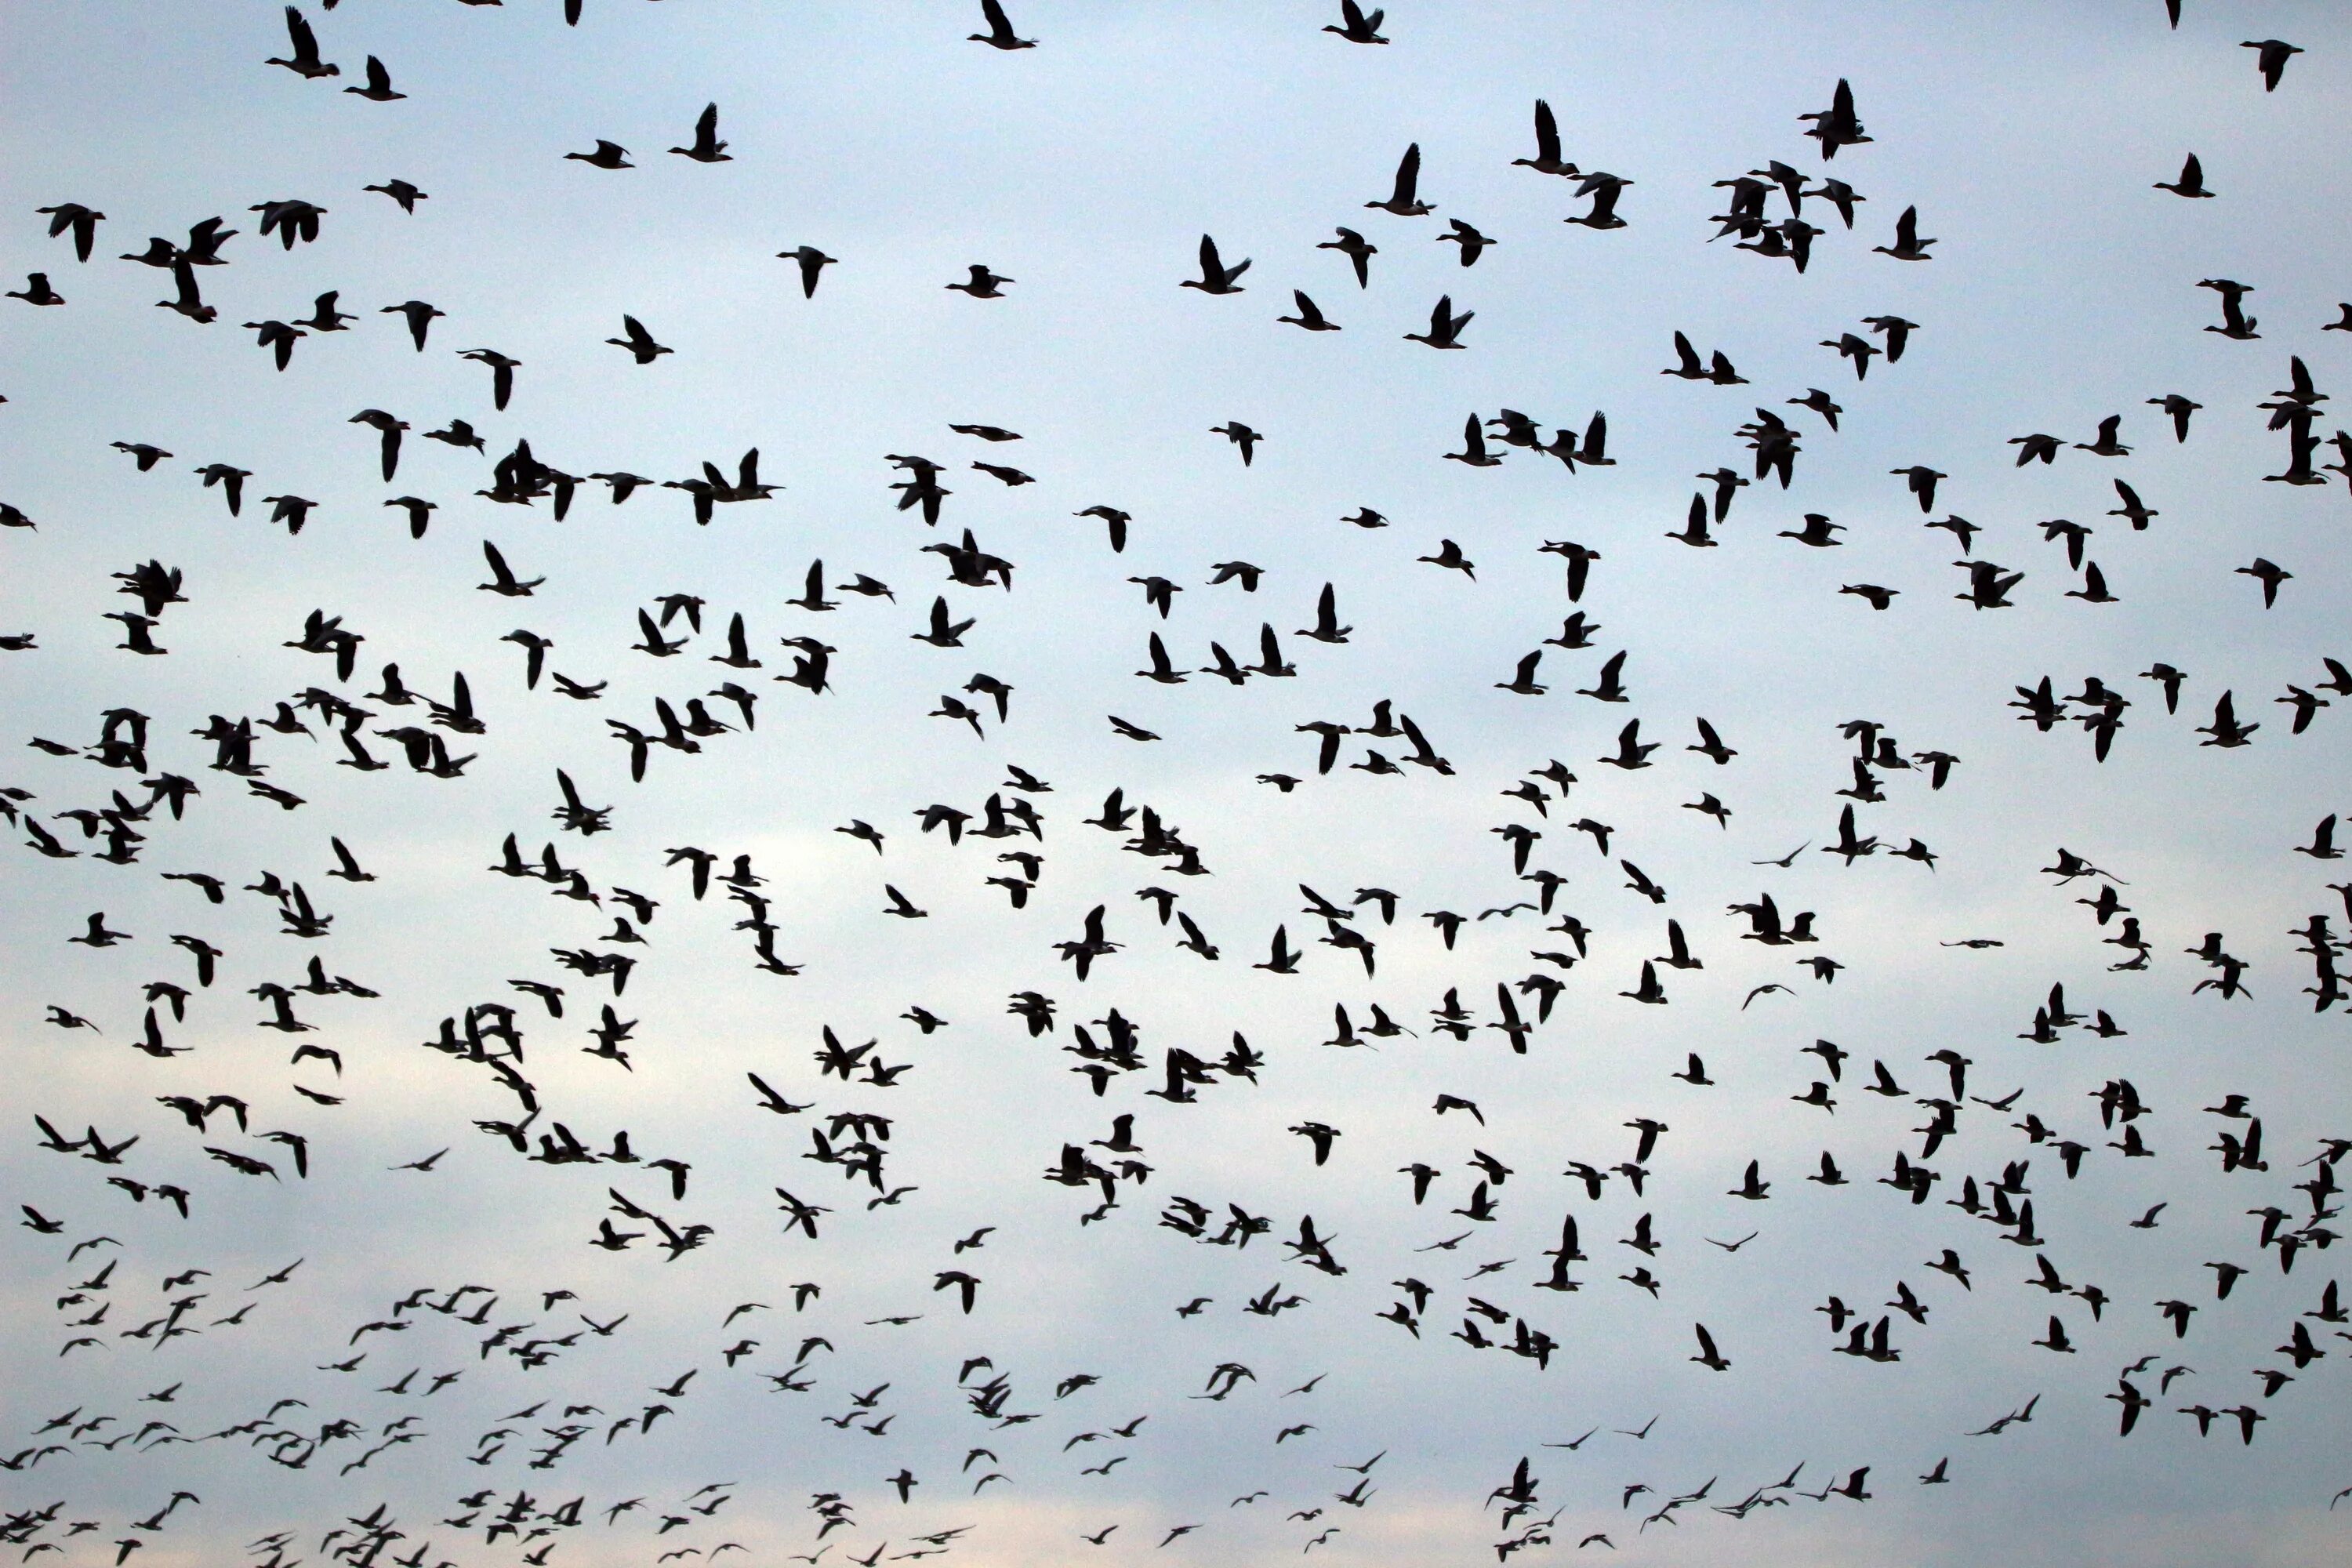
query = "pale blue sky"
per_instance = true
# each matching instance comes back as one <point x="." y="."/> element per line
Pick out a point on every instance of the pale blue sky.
<point x="2063" y="290"/>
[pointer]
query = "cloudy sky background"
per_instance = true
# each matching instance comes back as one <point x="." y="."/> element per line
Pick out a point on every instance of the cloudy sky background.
<point x="2062" y="290"/>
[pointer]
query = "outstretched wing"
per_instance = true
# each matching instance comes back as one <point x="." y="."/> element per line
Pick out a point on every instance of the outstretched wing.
<point x="1408" y="177"/>
<point x="298" y="32"/>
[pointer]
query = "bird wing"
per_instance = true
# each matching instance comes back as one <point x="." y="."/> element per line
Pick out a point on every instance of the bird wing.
<point x="1408" y="177"/>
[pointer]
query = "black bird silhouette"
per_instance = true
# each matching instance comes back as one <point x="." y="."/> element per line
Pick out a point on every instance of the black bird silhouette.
<point x="378" y="88"/>
<point x="604" y="155"/>
<point x="982" y="284"/>
<point x="707" y="148"/>
<point x="1444" y="327"/>
<point x="1907" y="246"/>
<point x="1358" y="27"/>
<point x="639" y="342"/>
<point x="1000" y="29"/>
<point x="1547" y="160"/>
<point x="2269" y="57"/>
<point x="1217" y="278"/>
<point x="1403" y="198"/>
<point x="303" y="46"/>
<point x="2189" y="181"/>
<point x="1359" y="252"/>
<point x="1309" y="316"/>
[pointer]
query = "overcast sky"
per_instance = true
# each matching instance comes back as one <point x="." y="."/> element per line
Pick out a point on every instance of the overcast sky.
<point x="2060" y="290"/>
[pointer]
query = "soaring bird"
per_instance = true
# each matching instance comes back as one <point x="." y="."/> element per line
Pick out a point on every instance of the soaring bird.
<point x="707" y="148"/>
<point x="1000" y="34"/>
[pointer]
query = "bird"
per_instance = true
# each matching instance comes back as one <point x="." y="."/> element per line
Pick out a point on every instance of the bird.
<point x="1403" y="199"/>
<point x="1359" y="251"/>
<point x="1907" y="246"/>
<point x="36" y="291"/>
<point x="639" y="342"/>
<point x="378" y="87"/>
<point x="812" y="263"/>
<point x="982" y="284"/>
<point x="2269" y="57"/>
<point x="2234" y="323"/>
<point x="402" y="192"/>
<point x="2269" y="576"/>
<point x="1474" y="453"/>
<point x="502" y="369"/>
<point x="74" y="218"/>
<point x="1444" y="327"/>
<point x="503" y="581"/>
<point x="706" y="147"/>
<point x="1524" y="681"/>
<point x="1309" y="317"/>
<point x="1358" y="27"/>
<point x="1000" y="29"/>
<point x="1217" y="278"/>
<point x="1547" y="160"/>
<point x="604" y="155"/>
<point x="2177" y="409"/>
<point x="2189" y="181"/>
<point x="1606" y="190"/>
<point x="303" y="46"/>
<point x="1472" y="243"/>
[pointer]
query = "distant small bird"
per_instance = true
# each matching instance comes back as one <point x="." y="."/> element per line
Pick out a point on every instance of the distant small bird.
<point x="605" y="156"/>
<point x="2189" y="181"/>
<point x="1356" y="25"/>
<point x="2269" y="576"/>
<point x="982" y="284"/>
<point x="1000" y="29"/>
<point x="1907" y="246"/>
<point x="1359" y="252"/>
<point x="1241" y="435"/>
<point x="639" y="342"/>
<point x="706" y="147"/>
<point x="2270" y="56"/>
<point x="1217" y="278"/>
<point x="378" y="84"/>
<point x="811" y="262"/>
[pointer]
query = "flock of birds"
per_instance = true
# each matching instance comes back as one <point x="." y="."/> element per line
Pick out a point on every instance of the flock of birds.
<point x="137" y="1169"/>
